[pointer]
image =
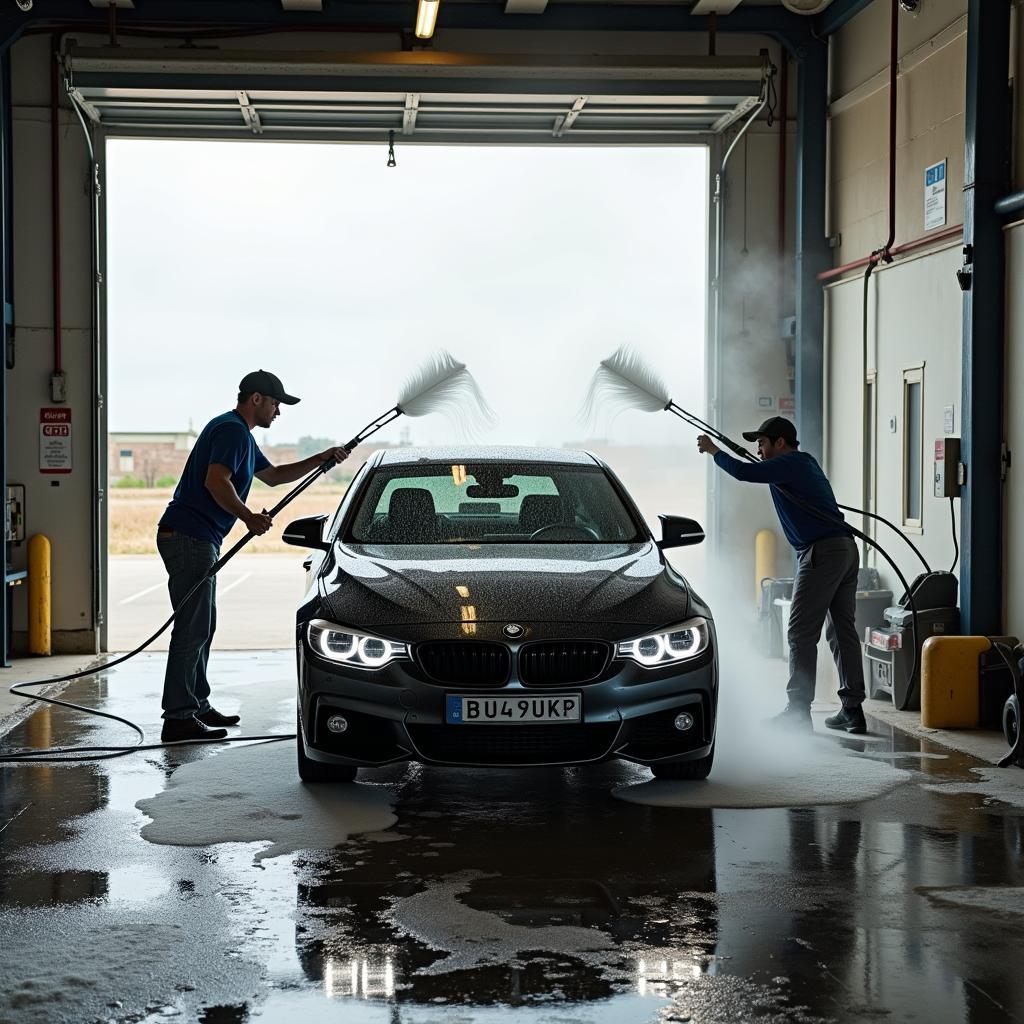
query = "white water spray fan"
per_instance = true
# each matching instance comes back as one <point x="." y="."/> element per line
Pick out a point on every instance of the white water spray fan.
<point x="624" y="381"/>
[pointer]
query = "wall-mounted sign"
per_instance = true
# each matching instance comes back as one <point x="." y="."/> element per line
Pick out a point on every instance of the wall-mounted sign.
<point x="55" y="440"/>
<point x="787" y="405"/>
<point x="935" y="196"/>
<point x="765" y="404"/>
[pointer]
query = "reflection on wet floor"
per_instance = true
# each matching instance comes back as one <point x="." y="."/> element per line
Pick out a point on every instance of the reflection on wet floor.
<point x="496" y="889"/>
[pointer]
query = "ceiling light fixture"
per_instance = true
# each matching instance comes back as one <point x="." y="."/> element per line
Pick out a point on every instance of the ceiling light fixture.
<point x="426" y="18"/>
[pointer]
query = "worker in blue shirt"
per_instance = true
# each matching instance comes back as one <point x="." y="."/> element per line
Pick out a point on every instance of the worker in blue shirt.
<point x="825" y="587"/>
<point x="209" y="497"/>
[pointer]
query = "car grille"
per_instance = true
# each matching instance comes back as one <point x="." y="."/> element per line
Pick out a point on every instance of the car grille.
<point x="654" y="736"/>
<point x="464" y="663"/>
<point x="513" y="744"/>
<point x="555" y="663"/>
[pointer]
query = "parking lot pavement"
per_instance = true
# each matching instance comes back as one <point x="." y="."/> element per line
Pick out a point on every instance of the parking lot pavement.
<point x="256" y="600"/>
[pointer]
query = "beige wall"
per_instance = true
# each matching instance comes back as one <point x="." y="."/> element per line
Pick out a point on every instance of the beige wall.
<point x="59" y="507"/>
<point x="914" y="317"/>
<point x="930" y="122"/>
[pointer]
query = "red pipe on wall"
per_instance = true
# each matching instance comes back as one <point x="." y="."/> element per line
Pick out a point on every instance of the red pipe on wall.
<point x="783" y="108"/>
<point x="55" y="204"/>
<point x="899" y="250"/>
<point x="894" y="60"/>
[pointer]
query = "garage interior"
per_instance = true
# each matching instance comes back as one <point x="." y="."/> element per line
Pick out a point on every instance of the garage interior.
<point x="863" y="254"/>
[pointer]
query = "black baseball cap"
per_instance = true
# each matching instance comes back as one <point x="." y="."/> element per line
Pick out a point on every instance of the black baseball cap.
<point x="267" y="384"/>
<point x="774" y="428"/>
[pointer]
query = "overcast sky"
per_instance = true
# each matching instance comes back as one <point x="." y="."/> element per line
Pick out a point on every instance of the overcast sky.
<point x="338" y="274"/>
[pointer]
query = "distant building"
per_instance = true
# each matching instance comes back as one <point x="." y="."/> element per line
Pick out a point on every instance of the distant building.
<point x="148" y="455"/>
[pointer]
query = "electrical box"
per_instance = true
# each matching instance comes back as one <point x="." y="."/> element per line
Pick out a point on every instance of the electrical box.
<point x="947" y="467"/>
<point x="14" y="514"/>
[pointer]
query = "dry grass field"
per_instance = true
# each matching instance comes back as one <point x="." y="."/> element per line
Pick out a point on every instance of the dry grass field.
<point x="134" y="513"/>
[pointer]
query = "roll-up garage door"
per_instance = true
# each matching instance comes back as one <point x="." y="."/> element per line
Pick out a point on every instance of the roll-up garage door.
<point x="423" y="95"/>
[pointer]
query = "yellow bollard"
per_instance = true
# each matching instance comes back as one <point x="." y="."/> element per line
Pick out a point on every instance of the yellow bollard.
<point x="39" y="595"/>
<point x="764" y="560"/>
<point x="950" y="681"/>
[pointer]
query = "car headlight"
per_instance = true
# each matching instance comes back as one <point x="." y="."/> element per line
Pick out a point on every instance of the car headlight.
<point x="357" y="650"/>
<point x="680" y="643"/>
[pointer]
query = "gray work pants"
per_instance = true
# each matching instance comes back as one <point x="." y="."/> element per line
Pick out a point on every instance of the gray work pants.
<point x="825" y="590"/>
<point x="187" y="561"/>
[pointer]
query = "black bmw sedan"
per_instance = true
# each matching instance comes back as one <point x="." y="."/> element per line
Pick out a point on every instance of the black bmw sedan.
<point x="499" y="606"/>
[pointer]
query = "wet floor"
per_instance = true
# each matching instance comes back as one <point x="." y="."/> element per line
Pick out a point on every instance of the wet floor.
<point x="534" y="891"/>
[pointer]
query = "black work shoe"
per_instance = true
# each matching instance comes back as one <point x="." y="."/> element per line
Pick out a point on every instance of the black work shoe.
<point x="176" y="729"/>
<point x="215" y="718"/>
<point x="795" y="717"/>
<point x="849" y="720"/>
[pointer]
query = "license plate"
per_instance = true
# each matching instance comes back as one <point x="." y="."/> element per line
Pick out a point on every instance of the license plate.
<point x="461" y="709"/>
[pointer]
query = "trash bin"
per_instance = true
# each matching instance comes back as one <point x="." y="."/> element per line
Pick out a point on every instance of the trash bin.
<point x="870" y="612"/>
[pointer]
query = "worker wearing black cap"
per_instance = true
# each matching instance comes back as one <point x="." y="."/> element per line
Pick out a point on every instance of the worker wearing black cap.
<point x="209" y="497"/>
<point x="825" y="587"/>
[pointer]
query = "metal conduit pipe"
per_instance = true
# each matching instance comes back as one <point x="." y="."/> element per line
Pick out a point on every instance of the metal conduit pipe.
<point x="719" y="201"/>
<point x="98" y="485"/>
<point x="55" y="225"/>
<point x="1010" y="204"/>
<point x="882" y="254"/>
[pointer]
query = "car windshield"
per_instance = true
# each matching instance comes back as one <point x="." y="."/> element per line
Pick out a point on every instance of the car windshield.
<point x="492" y="503"/>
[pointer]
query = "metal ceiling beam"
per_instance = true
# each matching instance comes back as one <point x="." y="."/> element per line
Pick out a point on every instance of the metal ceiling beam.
<point x="792" y="30"/>
<point x="715" y="6"/>
<point x="837" y="14"/>
<point x="525" y="6"/>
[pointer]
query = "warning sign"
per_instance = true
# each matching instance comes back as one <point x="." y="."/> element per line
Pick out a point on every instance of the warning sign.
<point x="54" y="440"/>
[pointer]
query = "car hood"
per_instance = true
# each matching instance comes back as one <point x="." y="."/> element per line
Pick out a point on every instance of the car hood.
<point x="375" y="585"/>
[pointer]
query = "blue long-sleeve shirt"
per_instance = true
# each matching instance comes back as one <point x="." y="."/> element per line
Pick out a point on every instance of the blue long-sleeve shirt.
<point x="800" y="474"/>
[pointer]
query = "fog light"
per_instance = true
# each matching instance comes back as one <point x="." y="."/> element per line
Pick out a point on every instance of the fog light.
<point x="338" y="724"/>
<point x="683" y="722"/>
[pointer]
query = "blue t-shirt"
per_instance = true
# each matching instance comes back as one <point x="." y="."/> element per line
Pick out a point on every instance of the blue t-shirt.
<point x="800" y="474"/>
<point x="228" y="441"/>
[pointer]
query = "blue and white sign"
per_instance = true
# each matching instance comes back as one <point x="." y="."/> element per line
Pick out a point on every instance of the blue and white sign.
<point x="935" y="196"/>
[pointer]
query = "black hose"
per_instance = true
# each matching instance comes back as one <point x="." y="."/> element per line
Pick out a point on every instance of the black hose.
<point x="822" y="514"/>
<point x="956" y="543"/>
<point x="696" y="421"/>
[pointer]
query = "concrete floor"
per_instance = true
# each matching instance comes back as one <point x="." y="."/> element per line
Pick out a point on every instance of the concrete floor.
<point x="531" y="890"/>
<point x="251" y="592"/>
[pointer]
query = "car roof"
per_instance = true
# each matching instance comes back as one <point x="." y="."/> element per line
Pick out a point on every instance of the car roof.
<point x="484" y="453"/>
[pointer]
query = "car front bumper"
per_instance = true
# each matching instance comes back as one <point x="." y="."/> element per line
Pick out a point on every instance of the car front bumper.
<point x="396" y="714"/>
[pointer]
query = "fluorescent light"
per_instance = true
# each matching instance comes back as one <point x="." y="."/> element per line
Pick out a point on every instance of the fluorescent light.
<point x="426" y="18"/>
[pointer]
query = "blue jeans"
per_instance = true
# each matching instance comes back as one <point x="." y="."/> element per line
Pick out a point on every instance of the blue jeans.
<point x="188" y="560"/>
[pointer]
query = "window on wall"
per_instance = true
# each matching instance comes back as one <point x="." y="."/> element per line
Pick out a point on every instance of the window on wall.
<point x="913" y="447"/>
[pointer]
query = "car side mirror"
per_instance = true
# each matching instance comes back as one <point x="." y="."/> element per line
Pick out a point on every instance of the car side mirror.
<point x="307" y="532"/>
<point x="679" y="532"/>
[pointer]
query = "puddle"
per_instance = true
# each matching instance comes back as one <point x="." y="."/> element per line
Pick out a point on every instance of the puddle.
<point x="253" y="794"/>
